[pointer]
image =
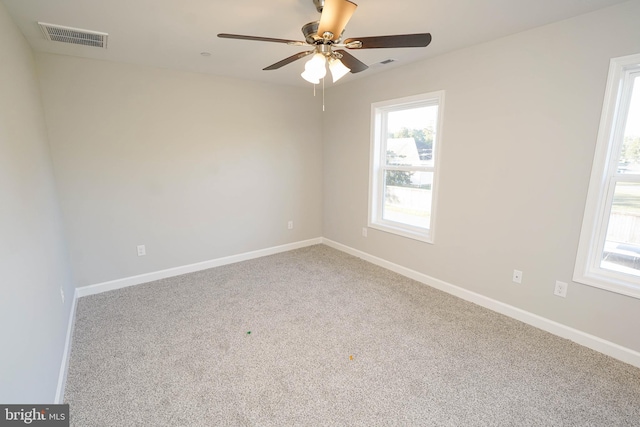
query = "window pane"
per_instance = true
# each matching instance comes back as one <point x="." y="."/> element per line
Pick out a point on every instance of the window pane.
<point x="622" y="246"/>
<point x="408" y="197"/>
<point x="410" y="136"/>
<point x="630" y="155"/>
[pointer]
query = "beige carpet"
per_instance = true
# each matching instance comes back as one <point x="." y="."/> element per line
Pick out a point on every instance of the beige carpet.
<point x="315" y="337"/>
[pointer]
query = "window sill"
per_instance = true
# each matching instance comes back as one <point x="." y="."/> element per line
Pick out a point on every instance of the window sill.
<point x="608" y="281"/>
<point x="422" y="236"/>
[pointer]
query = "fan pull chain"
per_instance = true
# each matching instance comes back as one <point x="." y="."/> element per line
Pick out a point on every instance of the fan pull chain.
<point x="314" y="93"/>
<point x="323" y="95"/>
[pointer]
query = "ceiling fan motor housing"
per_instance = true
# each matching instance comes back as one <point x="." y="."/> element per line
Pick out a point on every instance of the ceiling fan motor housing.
<point x="310" y="32"/>
<point x="319" y="5"/>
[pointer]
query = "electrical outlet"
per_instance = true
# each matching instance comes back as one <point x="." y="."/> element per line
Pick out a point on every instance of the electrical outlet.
<point x="62" y="294"/>
<point x="290" y="225"/>
<point x="561" y="289"/>
<point x="142" y="251"/>
<point x="364" y="231"/>
<point x="517" y="276"/>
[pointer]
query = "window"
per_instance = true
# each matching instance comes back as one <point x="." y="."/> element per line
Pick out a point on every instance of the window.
<point x="405" y="146"/>
<point x="609" y="250"/>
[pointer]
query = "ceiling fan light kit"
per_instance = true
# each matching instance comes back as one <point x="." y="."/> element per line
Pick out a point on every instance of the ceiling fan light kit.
<point x="326" y="34"/>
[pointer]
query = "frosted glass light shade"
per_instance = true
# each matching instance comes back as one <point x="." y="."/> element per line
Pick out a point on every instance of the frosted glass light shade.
<point x="308" y="76"/>
<point x="315" y="69"/>
<point x="338" y="69"/>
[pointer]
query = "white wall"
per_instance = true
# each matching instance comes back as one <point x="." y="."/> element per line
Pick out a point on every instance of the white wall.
<point x="195" y="167"/>
<point x="33" y="260"/>
<point x="520" y="126"/>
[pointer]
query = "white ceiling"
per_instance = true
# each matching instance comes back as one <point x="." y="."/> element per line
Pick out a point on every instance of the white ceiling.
<point x="173" y="33"/>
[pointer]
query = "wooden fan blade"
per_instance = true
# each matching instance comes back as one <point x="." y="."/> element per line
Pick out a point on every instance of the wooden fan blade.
<point x="401" y="40"/>
<point x="259" y="39"/>
<point x="288" y="60"/>
<point x="351" y="62"/>
<point x="335" y="15"/>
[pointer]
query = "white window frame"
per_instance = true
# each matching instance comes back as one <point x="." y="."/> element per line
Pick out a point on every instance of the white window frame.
<point x="378" y="165"/>
<point x="602" y="184"/>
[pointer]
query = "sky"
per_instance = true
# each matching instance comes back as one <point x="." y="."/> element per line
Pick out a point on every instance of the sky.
<point x="415" y="118"/>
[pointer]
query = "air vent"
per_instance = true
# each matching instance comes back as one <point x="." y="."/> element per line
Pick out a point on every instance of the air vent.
<point x="58" y="33"/>
<point x="387" y="61"/>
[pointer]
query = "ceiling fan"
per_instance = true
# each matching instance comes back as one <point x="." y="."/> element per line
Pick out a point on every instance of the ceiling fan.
<point x="325" y="38"/>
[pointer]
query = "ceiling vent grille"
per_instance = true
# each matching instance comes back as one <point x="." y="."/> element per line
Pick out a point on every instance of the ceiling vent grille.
<point x="58" y="33"/>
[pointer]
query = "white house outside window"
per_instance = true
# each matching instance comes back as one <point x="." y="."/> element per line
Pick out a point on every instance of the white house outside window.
<point x="405" y="145"/>
<point x="609" y="250"/>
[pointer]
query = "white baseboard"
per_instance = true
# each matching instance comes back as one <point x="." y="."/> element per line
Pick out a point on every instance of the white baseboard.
<point x="190" y="268"/>
<point x="603" y="346"/>
<point x="64" y="365"/>
<point x="616" y="351"/>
